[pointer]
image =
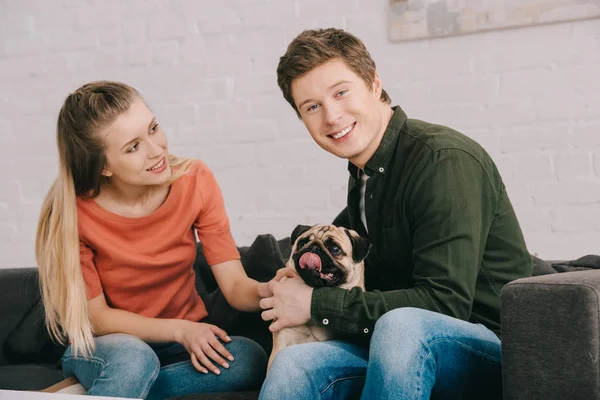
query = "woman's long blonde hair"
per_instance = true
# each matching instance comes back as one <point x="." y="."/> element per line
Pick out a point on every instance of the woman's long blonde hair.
<point x="81" y="160"/>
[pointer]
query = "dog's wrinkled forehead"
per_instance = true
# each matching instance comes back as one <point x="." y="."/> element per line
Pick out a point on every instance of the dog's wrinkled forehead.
<point x="320" y="233"/>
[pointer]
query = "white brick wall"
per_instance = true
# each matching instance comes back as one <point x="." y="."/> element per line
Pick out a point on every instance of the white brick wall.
<point x="207" y="68"/>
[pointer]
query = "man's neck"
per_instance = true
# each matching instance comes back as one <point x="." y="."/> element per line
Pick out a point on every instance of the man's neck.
<point x="386" y="115"/>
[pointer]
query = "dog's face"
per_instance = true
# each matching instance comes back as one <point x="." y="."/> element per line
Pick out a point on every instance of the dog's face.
<point x="326" y="255"/>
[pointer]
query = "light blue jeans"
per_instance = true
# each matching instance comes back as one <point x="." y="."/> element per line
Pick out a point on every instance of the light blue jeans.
<point x="125" y="366"/>
<point x="413" y="354"/>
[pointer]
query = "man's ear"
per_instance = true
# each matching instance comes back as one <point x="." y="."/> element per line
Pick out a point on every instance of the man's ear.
<point x="377" y="86"/>
<point x="360" y="246"/>
<point x="107" y="173"/>
<point x="299" y="230"/>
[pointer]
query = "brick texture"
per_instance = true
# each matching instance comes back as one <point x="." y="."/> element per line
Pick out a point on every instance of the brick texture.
<point x="207" y="68"/>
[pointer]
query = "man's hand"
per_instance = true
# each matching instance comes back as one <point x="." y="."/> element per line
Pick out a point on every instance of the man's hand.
<point x="290" y="304"/>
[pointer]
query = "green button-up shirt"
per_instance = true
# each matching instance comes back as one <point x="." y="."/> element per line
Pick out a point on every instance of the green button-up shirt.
<point x="445" y="236"/>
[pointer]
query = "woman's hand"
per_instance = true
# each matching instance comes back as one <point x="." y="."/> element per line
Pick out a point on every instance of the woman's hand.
<point x="200" y="340"/>
<point x="263" y="288"/>
<point x="285" y="273"/>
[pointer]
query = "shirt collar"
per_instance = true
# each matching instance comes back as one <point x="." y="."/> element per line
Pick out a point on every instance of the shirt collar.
<point x="379" y="161"/>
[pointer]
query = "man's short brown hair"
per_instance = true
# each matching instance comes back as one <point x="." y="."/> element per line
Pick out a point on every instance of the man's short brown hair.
<point x="315" y="47"/>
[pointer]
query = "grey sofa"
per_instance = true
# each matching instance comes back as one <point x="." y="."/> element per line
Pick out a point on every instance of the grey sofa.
<point x="550" y="327"/>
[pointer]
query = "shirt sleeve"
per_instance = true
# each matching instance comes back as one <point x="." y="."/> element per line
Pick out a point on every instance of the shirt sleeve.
<point x="93" y="286"/>
<point x="212" y="223"/>
<point x="451" y="209"/>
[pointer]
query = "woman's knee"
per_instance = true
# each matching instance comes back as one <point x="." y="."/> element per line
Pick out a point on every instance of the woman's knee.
<point x="249" y="348"/>
<point x="250" y="361"/>
<point x="114" y="355"/>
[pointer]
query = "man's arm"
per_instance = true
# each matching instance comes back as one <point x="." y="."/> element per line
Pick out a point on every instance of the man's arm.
<point x="452" y="206"/>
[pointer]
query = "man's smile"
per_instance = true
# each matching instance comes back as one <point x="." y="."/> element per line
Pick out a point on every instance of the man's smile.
<point x="340" y="134"/>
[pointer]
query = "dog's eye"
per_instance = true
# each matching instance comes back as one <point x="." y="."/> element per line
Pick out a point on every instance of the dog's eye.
<point x="335" y="249"/>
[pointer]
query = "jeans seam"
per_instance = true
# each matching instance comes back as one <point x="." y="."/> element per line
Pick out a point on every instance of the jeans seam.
<point x="420" y="380"/>
<point x="465" y="347"/>
<point x="339" y="380"/>
<point x="149" y="386"/>
<point x="98" y="361"/>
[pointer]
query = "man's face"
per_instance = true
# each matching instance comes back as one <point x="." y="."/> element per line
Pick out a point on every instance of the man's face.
<point x="343" y="114"/>
<point x="136" y="148"/>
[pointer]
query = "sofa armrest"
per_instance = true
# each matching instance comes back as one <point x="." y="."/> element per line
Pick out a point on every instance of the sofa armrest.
<point x="550" y="337"/>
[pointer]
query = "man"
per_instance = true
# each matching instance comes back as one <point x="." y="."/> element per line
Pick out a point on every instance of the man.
<point x="445" y="240"/>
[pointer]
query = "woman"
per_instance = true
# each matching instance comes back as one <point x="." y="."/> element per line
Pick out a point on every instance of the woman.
<point x="115" y="247"/>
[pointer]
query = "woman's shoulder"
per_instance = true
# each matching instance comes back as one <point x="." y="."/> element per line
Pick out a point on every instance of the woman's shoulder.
<point x="197" y="176"/>
<point x="192" y="169"/>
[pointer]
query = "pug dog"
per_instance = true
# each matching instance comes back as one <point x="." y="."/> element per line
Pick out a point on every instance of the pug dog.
<point x="322" y="255"/>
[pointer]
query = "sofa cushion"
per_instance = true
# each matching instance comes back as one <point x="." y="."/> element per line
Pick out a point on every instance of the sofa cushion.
<point x="29" y="376"/>
<point x="19" y="291"/>
<point x="30" y="340"/>
<point x="590" y="261"/>
<point x="541" y="267"/>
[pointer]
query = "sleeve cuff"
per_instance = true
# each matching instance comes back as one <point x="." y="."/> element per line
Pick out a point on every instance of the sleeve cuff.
<point x="326" y="307"/>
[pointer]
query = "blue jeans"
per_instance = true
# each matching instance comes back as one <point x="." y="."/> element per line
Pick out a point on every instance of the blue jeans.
<point x="413" y="354"/>
<point x="125" y="366"/>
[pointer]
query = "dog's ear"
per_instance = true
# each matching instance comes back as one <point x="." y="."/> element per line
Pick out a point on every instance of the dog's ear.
<point x="360" y="246"/>
<point x="299" y="230"/>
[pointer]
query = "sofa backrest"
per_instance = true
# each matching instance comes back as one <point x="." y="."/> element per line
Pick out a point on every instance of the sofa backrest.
<point x="19" y="292"/>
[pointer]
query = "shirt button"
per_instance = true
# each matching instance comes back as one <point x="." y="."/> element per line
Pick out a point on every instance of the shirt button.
<point x="370" y="196"/>
<point x="325" y="321"/>
<point x="366" y="330"/>
<point x="381" y="169"/>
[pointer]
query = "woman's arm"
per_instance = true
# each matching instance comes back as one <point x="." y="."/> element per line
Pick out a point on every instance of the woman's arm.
<point x="106" y="320"/>
<point x="240" y="291"/>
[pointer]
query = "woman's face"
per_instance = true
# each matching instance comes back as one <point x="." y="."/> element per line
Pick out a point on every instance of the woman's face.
<point x="136" y="148"/>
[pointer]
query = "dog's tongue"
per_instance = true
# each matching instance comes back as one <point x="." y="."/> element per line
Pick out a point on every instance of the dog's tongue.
<point x="310" y="261"/>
